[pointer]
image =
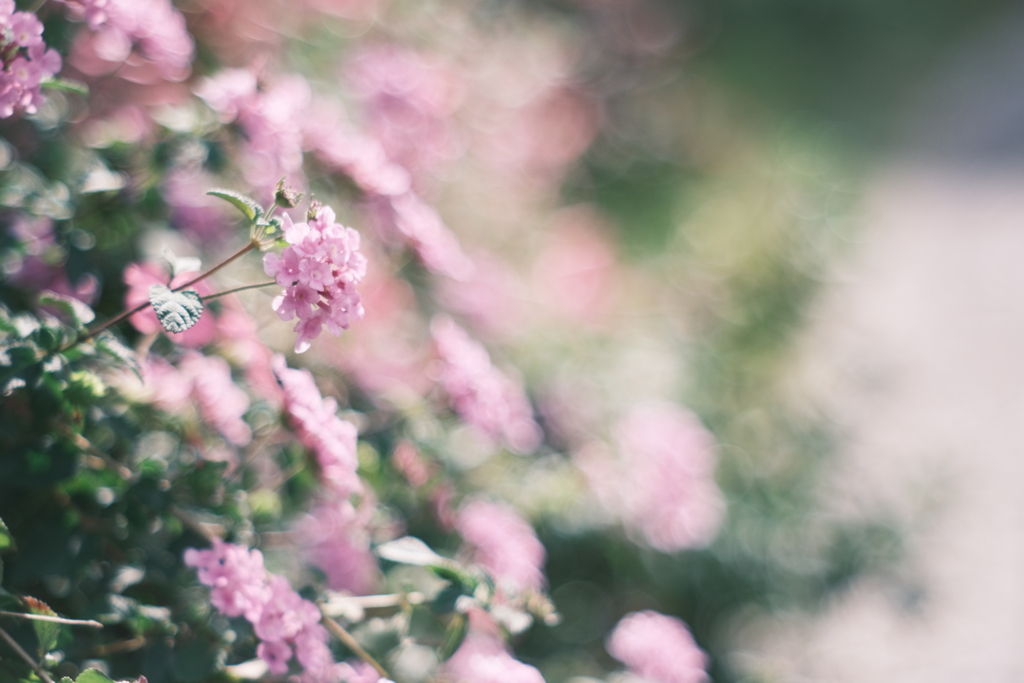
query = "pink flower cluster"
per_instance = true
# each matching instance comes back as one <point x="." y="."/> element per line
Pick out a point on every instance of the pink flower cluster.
<point x="484" y="658"/>
<point x="662" y="485"/>
<point x="334" y="538"/>
<point x="658" y="648"/>
<point x="286" y="624"/>
<point x="26" y="61"/>
<point x="480" y="393"/>
<point x="503" y="543"/>
<point x="319" y="271"/>
<point x="207" y="381"/>
<point x="318" y="427"/>
<point x="152" y="28"/>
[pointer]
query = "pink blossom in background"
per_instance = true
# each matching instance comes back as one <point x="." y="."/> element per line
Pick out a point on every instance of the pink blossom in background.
<point x="494" y="297"/>
<point x="192" y="210"/>
<point x="503" y="543"/>
<point x="221" y="402"/>
<point x="152" y="29"/>
<point x="358" y="671"/>
<point x="410" y="463"/>
<point x="357" y="155"/>
<point x="315" y="421"/>
<point x="407" y="218"/>
<point x="576" y="274"/>
<point x="658" y="648"/>
<point x="408" y="98"/>
<point x="662" y="484"/>
<point x="169" y="388"/>
<point x="486" y="659"/>
<point x="319" y="271"/>
<point x="282" y="619"/>
<point x="481" y="394"/>
<point x="238" y="335"/>
<point x="334" y="538"/>
<point x="140" y="277"/>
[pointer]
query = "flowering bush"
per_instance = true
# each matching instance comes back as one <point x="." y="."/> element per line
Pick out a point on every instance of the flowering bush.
<point x="484" y="465"/>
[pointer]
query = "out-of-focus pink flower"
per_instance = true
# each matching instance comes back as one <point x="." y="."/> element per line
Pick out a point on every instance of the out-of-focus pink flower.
<point x="318" y="427"/>
<point x="658" y="648"/>
<point x="238" y="334"/>
<point x="140" y="277"/>
<point x="221" y="402"/>
<point x="575" y="275"/>
<point x="411" y="464"/>
<point x="153" y="29"/>
<point x="334" y="538"/>
<point x="407" y="218"/>
<point x="319" y="271"/>
<point x="169" y="388"/>
<point x="408" y="98"/>
<point x="192" y="210"/>
<point x="282" y="619"/>
<point x="359" y="671"/>
<point x="503" y="543"/>
<point x="480" y="393"/>
<point x="662" y="485"/>
<point x="485" y="659"/>
<point x="494" y="297"/>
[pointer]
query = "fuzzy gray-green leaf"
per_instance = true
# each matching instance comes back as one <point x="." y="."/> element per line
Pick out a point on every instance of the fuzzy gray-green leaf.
<point x="246" y="205"/>
<point x="176" y="311"/>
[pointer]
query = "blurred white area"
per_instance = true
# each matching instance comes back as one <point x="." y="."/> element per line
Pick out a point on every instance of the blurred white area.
<point x="917" y="350"/>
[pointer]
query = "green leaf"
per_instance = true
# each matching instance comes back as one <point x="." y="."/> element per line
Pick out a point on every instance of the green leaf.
<point x="409" y="550"/>
<point x="445" y="601"/>
<point x="108" y="344"/>
<point x="6" y="539"/>
<point x="47" y="632"/>
<point x="77" y="312"/>
<point x="92" y="676"/>
<point x="454" y="635"/>
<point x="246" y="205"/>
<point x="176" y="311"/>
<point x="65" y="680"/>
<point x="66" y="85"/>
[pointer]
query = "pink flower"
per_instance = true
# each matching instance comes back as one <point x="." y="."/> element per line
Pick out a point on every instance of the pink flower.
<point x="221" y="402"/>
<point x="662" y="485"/>
<point x="318" y="427"/>
<point x="319" y="271"/>
<point x="236" y="576"/>
<point x="26" y="29"/>
<point x="658" y="648"/>
<point x="334" y="539"/>
<point x="485" y="659"/>
<point x="408" y="461"/>
<point x="503" y="543"/>
<point x="480" y="393"/>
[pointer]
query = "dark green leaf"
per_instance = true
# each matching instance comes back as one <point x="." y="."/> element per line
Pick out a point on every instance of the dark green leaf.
<point x="446" y="598"/>
<point x="176" y="311"/>
<point x="77" y="312"/>
<point x="246" y="205"/>
<point x="454" y="636"/>
<point x="108" y="344"/>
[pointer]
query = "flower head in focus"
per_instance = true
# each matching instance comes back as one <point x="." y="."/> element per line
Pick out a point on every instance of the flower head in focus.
<point x="319" y="270"/>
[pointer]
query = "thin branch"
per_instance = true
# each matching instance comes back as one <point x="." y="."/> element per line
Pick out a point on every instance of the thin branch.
<point x="129" y="645"/>
<point x="57" y="620"/>
<point x="90" y="448"/>
<point x="24" y="655"/>
<point x="238" y="289"/>
<point x="351" y="643"/>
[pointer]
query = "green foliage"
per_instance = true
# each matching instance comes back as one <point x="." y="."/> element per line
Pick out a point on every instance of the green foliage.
<point x="249" y="207"/>
<point x="176" y="310"/>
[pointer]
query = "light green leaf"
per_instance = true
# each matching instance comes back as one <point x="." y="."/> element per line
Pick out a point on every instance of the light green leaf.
<point x="78" y="313"/>
<point x="47" y="632"/>
<point x="453" y="636"/>
<point x="93" y="676"/>
<point x="6" y="540"/>
<point x="247" y="205"/>
<point x="109" y="345"/>
<point x="176" y="311"/>
<point x="66" y="85"/>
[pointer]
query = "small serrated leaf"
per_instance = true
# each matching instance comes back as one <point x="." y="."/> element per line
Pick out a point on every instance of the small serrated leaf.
<point x="47" y="632"/>
<point x="77" y="312"/>
<point x="93" y="676"/>
<point x="176" y="311"/>
<point x="247" y="205"/>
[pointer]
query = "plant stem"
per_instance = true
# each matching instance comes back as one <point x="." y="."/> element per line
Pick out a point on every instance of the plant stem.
<point x="351" y="643"/>
<point x="126" y="314"/>
<point x="57" y="620"/>
<point x="238" y="289"/>
<point x="24" y="655"/>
